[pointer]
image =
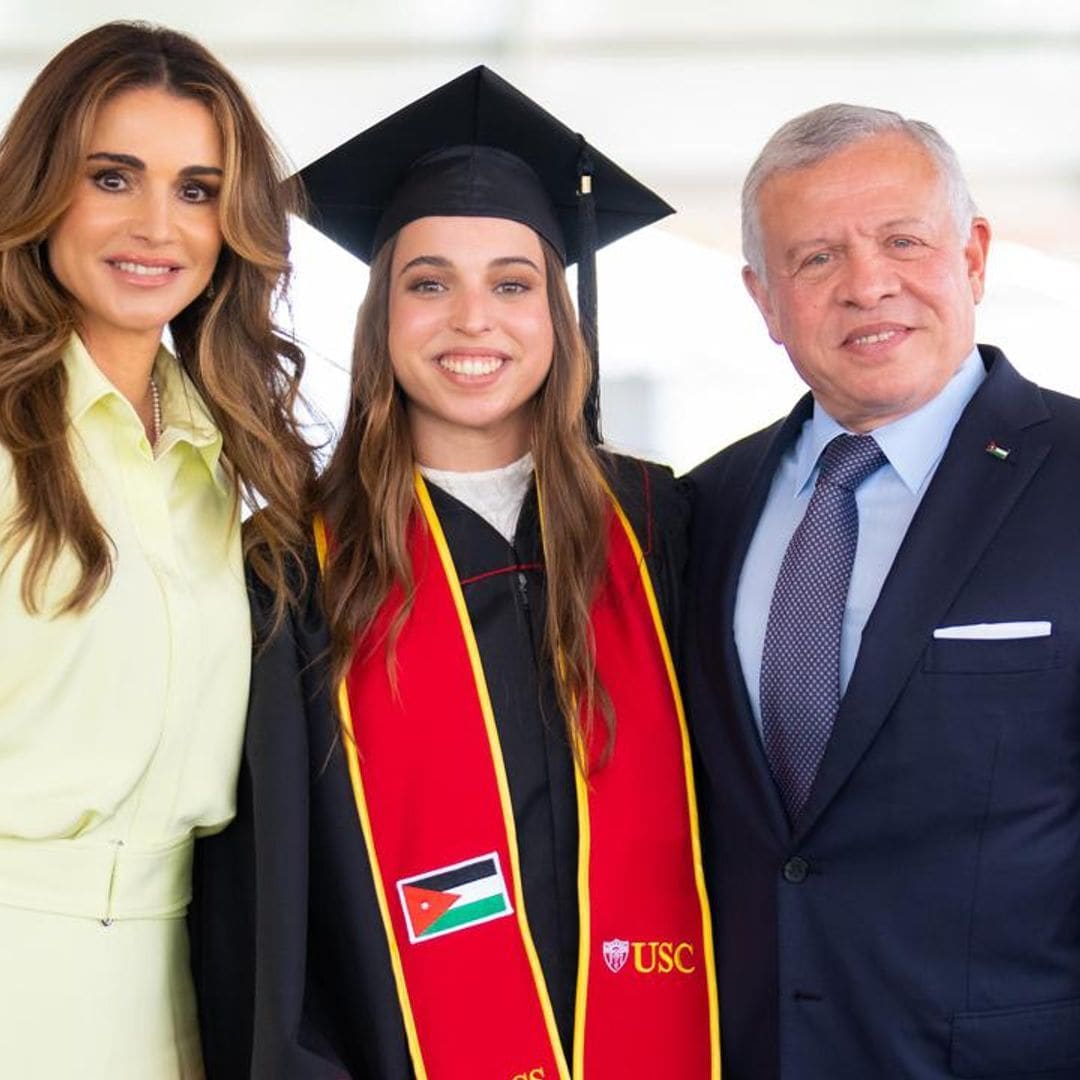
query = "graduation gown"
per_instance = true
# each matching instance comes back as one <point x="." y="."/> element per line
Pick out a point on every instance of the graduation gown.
<point x="290" y="956"/>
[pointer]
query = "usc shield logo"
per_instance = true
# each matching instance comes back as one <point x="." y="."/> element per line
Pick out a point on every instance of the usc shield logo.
<point x="616" y="952"/>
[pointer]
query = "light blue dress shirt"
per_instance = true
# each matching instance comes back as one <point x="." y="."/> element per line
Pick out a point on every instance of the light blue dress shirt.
<point x="887" y="501"/>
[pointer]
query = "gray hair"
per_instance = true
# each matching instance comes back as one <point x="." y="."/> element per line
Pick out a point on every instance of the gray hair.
<point x="816" y="135"/>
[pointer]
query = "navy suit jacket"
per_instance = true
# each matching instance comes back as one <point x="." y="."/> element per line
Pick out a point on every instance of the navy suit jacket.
<point x="923" y="919"/>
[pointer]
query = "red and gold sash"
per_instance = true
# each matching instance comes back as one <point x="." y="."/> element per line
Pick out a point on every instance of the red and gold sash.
<point x="434" y="805"/>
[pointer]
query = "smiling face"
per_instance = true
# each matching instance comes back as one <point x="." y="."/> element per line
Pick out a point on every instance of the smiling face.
<point x="870" y="287"/>
<point x="141" y="236"/>
<point x="471" y="337"/>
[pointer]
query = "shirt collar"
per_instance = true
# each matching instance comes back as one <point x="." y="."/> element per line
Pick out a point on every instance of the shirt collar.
<point x="914" y="443"/>
<point x="87" y="383"/>
<point x="184" y="415"/>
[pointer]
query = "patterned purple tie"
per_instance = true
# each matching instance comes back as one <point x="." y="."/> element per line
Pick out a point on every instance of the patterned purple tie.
<point x="800" y="662"/>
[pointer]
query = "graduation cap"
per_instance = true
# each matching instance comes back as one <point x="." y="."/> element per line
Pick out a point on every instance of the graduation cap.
<point x="478" y="147"/>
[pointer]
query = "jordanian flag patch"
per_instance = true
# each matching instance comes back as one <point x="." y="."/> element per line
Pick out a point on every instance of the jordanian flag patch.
<point x="454" y="898"/>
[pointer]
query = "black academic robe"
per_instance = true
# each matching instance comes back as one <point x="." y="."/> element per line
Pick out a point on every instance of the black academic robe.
<point x="291" y="962"/>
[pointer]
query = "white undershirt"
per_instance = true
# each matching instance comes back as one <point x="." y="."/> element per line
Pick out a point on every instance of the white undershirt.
<point x="495" y="494"/>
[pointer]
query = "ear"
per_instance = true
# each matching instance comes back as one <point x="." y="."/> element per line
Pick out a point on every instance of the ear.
<point x="978" y="244"/>
<point x="759" y="292"/>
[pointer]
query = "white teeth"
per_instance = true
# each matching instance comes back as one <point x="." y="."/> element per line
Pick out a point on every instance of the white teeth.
<point x="873" y="339"/>
<point x="470" y="365"/>
<point x="142" y="271"/>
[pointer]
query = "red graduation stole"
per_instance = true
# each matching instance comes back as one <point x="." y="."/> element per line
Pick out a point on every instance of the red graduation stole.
<point x="434" y="806"/>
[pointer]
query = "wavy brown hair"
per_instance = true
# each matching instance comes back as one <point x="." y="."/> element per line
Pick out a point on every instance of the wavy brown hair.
<point x="245" y="369"/>
<point x="367" y="497"/>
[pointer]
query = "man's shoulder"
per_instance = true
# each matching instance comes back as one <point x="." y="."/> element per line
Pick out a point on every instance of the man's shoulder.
<point x="1045" y="405"/>
<point x="734" y="460"/>
<point x="1064" y="419"/>
<point x="1063" y="407"/>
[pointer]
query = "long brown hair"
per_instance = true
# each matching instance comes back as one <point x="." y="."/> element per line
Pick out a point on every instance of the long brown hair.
<point x="245" y="369"/>
<point x="367" y="497"/>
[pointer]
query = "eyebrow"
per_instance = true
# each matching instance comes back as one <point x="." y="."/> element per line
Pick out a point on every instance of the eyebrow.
<point x="443" y="263"/>
<point x="515" y="260"/>
<point x="132" y="162"/>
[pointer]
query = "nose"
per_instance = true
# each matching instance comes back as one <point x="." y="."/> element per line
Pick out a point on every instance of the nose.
<point x="869" y="277"/>
<point x="153" y="216"/>
<point x="472" y="311"/>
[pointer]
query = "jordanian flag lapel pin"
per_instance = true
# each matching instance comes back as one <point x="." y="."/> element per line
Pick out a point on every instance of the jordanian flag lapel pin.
<point x="454" y="898"/>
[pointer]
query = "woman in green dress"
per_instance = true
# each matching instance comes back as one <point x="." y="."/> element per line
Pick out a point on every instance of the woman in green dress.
<point x="138" y="192"/>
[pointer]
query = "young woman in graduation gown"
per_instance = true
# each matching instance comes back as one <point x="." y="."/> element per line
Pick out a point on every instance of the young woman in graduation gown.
<point x="467" y="844"/>
<point x="137" y="191"/>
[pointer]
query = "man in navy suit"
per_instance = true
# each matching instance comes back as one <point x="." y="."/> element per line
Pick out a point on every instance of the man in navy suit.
<point x="895" y="877"/>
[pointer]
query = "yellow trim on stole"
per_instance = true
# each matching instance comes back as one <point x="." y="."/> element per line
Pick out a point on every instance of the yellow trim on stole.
<point x="348" y="740"/>
<point x="581" y="997"/>
<point x="584" y="942"/>
<point x="688" y="772"/>
<point x="500" y="768"/>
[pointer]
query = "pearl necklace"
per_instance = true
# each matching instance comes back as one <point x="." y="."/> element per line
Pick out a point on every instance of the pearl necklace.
<point x="155" y="411"/>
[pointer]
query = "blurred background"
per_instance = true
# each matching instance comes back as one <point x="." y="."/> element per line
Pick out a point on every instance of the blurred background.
<point x="682" y="94"/>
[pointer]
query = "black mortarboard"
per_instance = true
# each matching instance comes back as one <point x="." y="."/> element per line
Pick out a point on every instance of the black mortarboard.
<point x="478" y="147"/>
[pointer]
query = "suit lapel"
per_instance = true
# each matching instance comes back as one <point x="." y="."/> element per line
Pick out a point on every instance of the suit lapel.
<point x="970" y="496"/>
<point x="743" y="507"/>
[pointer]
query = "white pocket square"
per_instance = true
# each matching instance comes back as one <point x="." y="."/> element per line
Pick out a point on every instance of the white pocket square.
<point x="995" y="631"/>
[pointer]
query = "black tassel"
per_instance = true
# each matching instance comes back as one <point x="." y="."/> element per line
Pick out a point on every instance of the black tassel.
<point x="586" y="286"/>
